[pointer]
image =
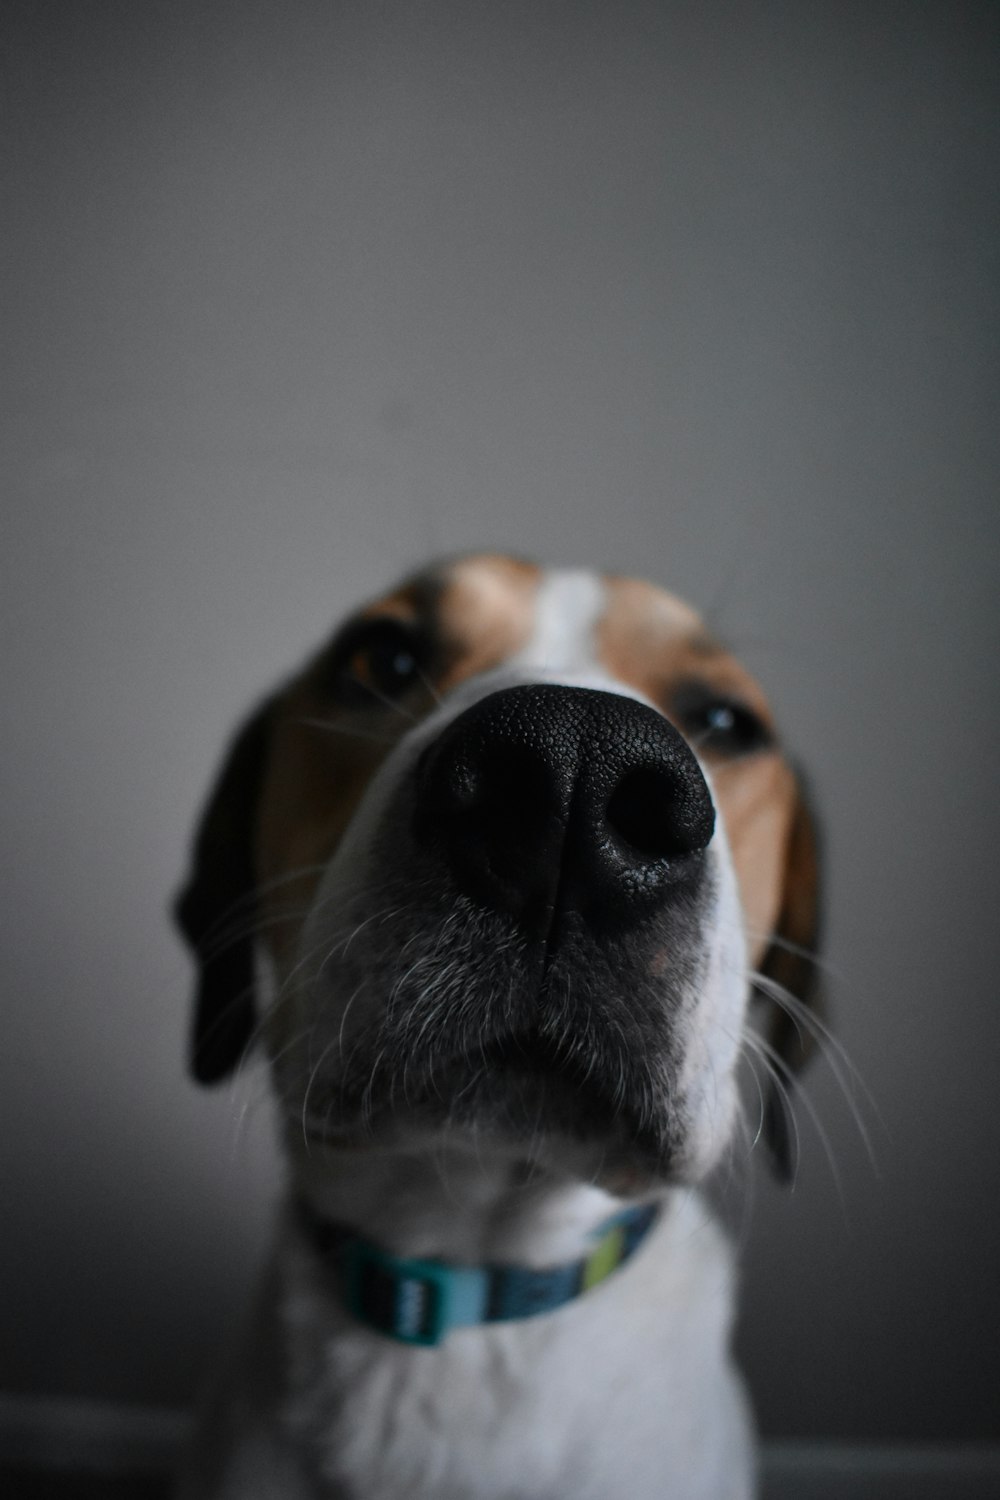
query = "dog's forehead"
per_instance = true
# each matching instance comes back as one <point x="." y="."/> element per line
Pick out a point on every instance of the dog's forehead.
<point x="490" y="608"/>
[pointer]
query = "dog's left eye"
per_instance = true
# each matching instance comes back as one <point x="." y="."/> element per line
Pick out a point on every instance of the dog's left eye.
<point x="720" y="723"/>
<point x="377" y="660"/>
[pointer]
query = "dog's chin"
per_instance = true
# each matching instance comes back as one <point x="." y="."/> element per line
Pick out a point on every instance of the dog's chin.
<point x="517" y="1097"/>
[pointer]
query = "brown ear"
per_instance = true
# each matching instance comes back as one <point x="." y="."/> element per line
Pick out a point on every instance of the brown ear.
<point x="789" y="981"/>
<point x="216" y="909"/>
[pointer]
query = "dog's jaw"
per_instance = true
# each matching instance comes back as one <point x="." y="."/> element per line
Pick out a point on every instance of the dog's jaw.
<point x="449" y="1197"/>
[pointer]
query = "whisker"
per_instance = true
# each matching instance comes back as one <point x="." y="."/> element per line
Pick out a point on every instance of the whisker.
<point x="307" y="1091"/>
<point x="747" y="1054"/>
<point x="775" y="940"/>
<point x="384" y="699"/>
<point x="428" y="684"/>
<point x="224" y="930"/>
<point x="842" y="1066"/>
<point x="783" y="1079"/>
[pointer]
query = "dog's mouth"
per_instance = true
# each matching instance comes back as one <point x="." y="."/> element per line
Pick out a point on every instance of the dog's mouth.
<point x="467" y="1030"/>
<point x="592" y="1093"/>
<point x="516" y="1087"/>
<point x="535" y="1056"/>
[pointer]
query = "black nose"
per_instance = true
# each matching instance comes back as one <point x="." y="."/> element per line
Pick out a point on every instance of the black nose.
<point x="558" y="800"/>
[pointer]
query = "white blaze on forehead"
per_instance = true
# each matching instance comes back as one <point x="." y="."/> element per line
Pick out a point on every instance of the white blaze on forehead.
<point x="568" y="606"/>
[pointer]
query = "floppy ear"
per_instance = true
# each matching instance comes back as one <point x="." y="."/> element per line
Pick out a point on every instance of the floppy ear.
<point x="215" y="910"/>
<point x="790" y="966"/>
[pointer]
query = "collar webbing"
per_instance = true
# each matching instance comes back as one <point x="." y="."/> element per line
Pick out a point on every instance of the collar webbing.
<point x="419" y="1301"/>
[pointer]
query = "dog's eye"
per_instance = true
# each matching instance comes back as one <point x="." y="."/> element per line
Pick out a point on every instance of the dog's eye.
<point x="719" y="723"/>
<point x="377" y="660"/>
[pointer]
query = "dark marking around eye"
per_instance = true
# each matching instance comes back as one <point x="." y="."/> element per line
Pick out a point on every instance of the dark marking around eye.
<point x="377" y="661"/>
<point x="719" y="722"/>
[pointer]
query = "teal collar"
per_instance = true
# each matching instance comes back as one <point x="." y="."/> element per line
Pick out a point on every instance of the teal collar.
<point x="419" y="1301"/>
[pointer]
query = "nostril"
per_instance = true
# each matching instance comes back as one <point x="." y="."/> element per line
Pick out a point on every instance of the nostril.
<point x="656" y="814"/>
<point x="503" y="795"/>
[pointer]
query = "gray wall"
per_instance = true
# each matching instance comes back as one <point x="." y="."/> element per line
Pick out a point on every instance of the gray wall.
<point x="300" y="293"/>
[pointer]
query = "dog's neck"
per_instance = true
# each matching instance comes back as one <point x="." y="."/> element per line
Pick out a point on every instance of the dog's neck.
<point x="453" y="1204"/>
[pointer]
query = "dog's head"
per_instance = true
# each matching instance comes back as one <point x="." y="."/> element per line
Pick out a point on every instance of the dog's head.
<point x="516" y="843"/>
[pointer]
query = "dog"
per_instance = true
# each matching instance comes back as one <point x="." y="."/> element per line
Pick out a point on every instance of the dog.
<point x="512" y="851"/>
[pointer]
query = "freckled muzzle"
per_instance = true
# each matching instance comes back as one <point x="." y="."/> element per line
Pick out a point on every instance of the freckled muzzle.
<point x="549" y="802"/>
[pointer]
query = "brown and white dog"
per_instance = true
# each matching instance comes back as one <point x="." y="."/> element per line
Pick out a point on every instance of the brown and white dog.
<point x="516" y="845"/>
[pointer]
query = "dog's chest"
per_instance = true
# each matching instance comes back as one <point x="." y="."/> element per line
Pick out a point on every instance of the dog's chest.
<point x="625" y="1392"/>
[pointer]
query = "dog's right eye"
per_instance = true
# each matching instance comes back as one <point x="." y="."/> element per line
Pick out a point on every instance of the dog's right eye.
<point x="377" y="661"/>
<point x="720" y="722"/>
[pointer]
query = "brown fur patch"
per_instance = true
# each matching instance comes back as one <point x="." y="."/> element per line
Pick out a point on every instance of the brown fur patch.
<point x="486" y="613"/>
<point x="656" y="643"/>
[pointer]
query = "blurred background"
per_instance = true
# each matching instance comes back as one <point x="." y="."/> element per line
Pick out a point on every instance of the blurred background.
<point x="298" y="295"/>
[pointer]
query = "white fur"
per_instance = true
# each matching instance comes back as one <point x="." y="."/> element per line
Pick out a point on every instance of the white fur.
<point x="626" y="1392"/>
<point x="569" y="603"/>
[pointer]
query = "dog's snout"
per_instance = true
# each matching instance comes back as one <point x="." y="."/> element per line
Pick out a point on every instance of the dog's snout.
<point x="549" y="799"/>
